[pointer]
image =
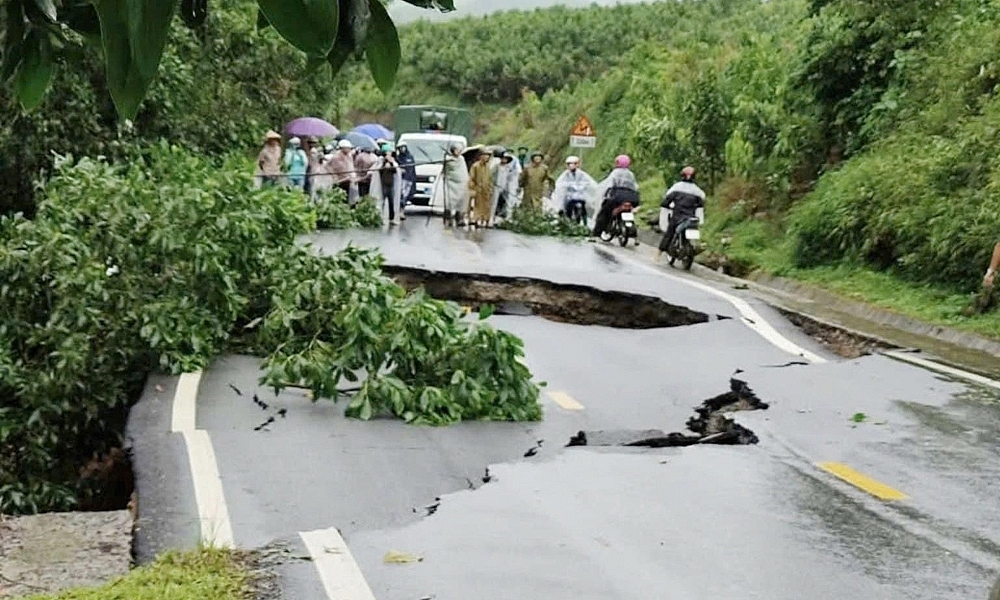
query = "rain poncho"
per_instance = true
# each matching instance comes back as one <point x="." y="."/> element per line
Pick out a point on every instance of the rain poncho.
<point x="296" y="162"/>
<point x="408" y="164"/>
<point x="505" y="182"/>
<point x="268" y="163"/>
<point x="575" y="185"/>
<point x="383" y="196"/>
<point x="535" y="179"/>
<point x="451" y="190"/>
<point x="481" y="190"/>
<point x="618" y="178"/>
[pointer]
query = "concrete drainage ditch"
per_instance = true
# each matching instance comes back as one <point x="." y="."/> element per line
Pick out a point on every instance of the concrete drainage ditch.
<point x="708" y="426"/>
<point x="561" y="302"/>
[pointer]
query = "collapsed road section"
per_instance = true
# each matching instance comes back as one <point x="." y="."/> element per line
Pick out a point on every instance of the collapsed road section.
<point x="562" y="302"/>
<point x="710" y="425"/>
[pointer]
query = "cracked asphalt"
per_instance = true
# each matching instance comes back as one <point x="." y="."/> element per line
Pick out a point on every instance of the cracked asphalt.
<point x="581" y="523"/>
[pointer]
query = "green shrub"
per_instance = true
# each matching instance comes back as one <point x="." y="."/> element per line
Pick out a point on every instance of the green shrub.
<point x="157" y="265"/>
<point x="535" y="221"/>
<point x="333" y="211"/>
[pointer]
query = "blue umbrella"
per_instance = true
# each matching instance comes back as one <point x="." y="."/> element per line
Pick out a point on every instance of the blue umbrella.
<point x="360" y="140"/>
<point x="374" y="131"/>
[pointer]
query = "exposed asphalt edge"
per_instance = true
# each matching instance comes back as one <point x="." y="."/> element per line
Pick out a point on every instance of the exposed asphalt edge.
<point x="789" y="295"/>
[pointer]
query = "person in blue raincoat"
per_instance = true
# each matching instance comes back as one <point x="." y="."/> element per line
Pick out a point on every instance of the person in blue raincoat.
<point x="296" y="163"/>
<point x="409" y="173"/>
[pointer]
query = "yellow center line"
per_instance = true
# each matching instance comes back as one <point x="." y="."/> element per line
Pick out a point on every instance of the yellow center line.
<point x="862" y="481"/>
<point x="565" y="401"/>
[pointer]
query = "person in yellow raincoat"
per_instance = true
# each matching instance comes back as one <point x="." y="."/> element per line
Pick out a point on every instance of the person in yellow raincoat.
<point x="481" y="190"/>
<point x="536" y="181"/>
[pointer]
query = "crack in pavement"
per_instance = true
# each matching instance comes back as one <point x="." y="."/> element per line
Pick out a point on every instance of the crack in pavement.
<point x="708" y="426"/>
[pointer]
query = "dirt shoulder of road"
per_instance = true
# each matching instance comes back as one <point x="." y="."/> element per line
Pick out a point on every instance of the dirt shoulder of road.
<point x="848" y="326"/>
<point x="55" y="551"/>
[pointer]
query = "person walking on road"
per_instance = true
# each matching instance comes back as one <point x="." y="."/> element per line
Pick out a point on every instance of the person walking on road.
<point x="452" y="188"/>
<point x="363" y="163"/>
<point x="341" y="166"/>
<point x="409" y="177"/>
<point x="481" y="190"/>
<point x="296" y="163"/>
<point x="536" y="181"/>
<point x="269" y="161"/>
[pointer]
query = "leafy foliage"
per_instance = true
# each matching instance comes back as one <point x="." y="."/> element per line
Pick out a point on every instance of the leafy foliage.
<point x="533" y="221"/>
<point x="156" y="265"/>
<point x="333" y="212"/>
<point x="134" y="33"/>
<point x="340" y="320"/>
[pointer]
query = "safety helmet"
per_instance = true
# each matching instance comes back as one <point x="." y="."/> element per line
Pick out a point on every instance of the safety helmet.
<point x="622" y="161"/>
<point x="687" y="172"/>
<point x="345" y="144"/>
<point x="572" y="159"/>
<point x="295" y="141"/>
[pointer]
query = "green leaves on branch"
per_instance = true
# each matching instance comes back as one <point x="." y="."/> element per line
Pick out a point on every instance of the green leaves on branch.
<point x="382" y="47"/>
<point x="133" y="34"/>
<point x="309" y="25"/>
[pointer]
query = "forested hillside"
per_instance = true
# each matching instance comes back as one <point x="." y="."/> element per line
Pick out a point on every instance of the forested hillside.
<point x="830" y="131"/>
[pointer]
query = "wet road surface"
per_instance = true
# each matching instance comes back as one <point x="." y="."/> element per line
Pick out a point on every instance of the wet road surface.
<point x="761" y="521"/>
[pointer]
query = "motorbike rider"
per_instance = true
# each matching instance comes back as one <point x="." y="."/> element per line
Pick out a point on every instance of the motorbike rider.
<point x="680" y="202"/>
<point x="619" y="187"/>
<point x="573" y="185"/>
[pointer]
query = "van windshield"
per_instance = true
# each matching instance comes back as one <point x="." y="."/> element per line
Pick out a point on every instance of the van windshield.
<point x="427" y="151"/>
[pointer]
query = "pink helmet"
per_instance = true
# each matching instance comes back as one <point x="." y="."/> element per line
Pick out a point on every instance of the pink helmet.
<point x="622" y="161"/>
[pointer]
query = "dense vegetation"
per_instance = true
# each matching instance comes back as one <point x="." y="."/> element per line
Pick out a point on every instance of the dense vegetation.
<point x="165" y="263"/>
<point x="220" y="88"/>
<point x="829" y="131"/>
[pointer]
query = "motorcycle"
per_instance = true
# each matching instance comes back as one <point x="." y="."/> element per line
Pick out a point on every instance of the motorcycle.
<point x="622" y="226"/>
<point x="681" y="246"/>
<point x="576" y="211"/>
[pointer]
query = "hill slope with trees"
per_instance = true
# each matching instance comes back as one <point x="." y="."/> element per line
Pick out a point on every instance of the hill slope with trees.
<point x="832" y="132"/>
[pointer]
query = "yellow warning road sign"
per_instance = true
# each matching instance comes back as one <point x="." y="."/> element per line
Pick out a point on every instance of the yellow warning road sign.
<point x="583" y="128"/>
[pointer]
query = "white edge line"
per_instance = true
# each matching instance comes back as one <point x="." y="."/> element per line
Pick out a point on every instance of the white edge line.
<point x="751" y="318"/>
<point x="213" y="513"/>
<point x="342" y="578"/>
<point x="935" y="366"/>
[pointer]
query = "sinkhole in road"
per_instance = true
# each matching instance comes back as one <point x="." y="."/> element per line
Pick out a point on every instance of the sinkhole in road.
<point x="710" y="425"/>
<point x="561" y="302"/>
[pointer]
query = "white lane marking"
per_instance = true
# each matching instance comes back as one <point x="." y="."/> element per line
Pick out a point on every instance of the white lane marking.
<point x="183" y="416"/>
<point x="213" y="514"/>
<point x="935" y="366"/>
<point x="750" y="317"/>
<point x="565" y="401"/>
<point x="342" y="578"/>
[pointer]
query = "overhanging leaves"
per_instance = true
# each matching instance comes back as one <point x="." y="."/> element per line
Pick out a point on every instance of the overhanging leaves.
<point x="442" y="5"/>
<point x="309" y="25"/>
<point x="382" y="47"/>
<point x="34" y="73"/>
<point x="133" y="33"/>
<point x="48" y="8"/>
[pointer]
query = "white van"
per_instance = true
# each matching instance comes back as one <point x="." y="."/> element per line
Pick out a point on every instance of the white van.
<point x="428" y="150"/>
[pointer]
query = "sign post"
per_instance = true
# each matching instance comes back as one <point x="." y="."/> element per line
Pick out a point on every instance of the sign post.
<point x="583" y="134"/>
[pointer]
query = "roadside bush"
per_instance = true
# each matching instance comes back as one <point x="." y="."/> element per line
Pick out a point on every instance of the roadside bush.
<point x="156" y="265"/>
<point x="333" y="212"/>
<point x="535" y="221"/>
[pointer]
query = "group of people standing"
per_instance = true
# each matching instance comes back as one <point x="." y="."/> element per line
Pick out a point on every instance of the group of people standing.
<point x="386" y="173"/>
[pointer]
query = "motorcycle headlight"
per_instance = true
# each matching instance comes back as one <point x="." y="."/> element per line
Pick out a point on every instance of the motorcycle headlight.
<point x="431" y="179"/>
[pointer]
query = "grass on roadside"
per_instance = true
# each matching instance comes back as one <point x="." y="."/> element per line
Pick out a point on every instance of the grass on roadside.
<point x="205" y="574"/>
<point x="761" y="243"/>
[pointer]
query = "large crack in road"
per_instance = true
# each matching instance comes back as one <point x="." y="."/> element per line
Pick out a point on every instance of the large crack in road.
<point x="561" y="302"/>
<point x="710" y="425"/>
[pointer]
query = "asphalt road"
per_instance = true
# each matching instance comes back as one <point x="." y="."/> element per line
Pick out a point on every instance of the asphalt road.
<point x="763" y="521"/>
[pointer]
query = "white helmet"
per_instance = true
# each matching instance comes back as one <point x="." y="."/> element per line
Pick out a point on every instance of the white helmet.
<point x="295" y="141"/>
<point x="572" y="159"/>
<point x="346" y="144"/>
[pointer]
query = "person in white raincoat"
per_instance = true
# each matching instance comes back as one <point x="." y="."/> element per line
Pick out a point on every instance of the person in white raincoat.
<point x="575" y="184"/>
<point x="451" y="190"/>
<point x="387" y="181"/>
<point x="505" y="187"/>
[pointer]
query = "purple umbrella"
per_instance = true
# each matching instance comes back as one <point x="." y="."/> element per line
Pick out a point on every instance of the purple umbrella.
<point x="375" y="131"/>
<point x="311" y="126"/>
